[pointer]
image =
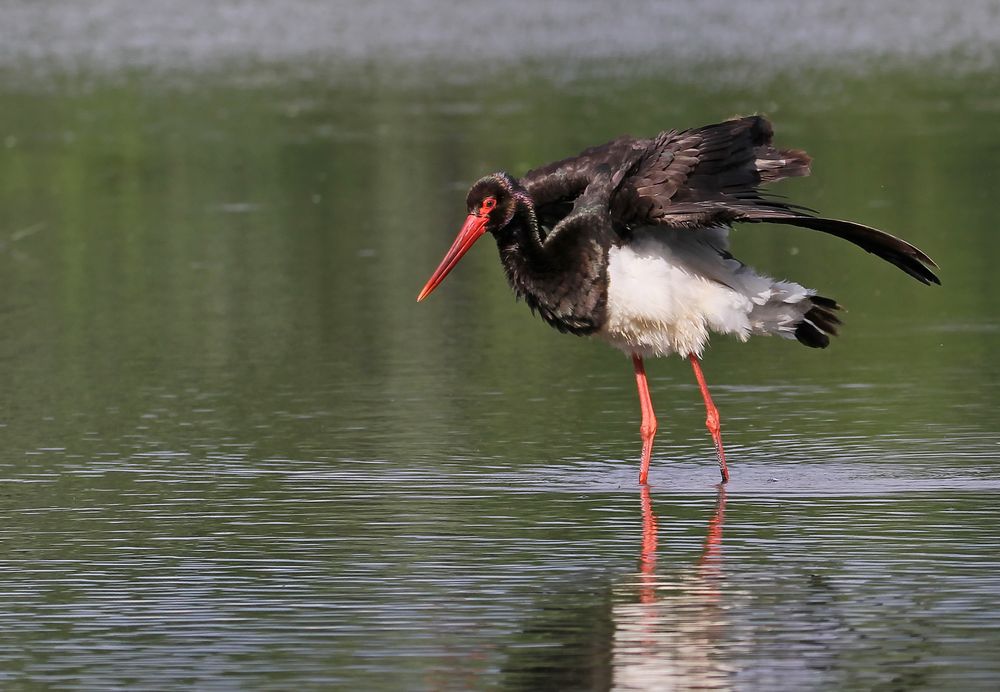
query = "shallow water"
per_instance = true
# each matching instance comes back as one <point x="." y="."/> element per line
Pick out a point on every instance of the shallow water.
<point x="236" y="454"/>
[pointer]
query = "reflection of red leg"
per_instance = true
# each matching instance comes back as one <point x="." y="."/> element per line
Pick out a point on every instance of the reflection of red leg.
<point x="648" y="427"/>
<point x="710" y="564"/>
<point x="710" y="552"/>
<point x="712" y="419"/>
<point x="647" y="559"/>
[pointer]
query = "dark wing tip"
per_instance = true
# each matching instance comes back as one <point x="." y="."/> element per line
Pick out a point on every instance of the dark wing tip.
<point x="897" y="251"/>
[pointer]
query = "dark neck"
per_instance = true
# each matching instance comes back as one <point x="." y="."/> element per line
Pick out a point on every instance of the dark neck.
<point x="565" y="282"/>
<point x="522" y="248"/>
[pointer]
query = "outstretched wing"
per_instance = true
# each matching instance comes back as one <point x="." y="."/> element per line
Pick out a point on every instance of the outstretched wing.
<point x="690" y="179"/>
<point x="699" y="178"/>
<point x="711" y="175"/>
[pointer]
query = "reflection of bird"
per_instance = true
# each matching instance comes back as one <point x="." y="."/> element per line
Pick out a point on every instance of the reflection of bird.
<point x="676" y="635"/>
<point x="629" y="241"/>
<point x="709" y="564"/>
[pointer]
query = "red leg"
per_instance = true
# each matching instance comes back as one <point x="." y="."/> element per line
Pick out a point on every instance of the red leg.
<point x="648" y="427"/>
<point x="712" y="419"/>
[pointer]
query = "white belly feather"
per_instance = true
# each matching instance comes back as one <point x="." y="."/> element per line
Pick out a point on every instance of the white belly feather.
<point x="668" y="289"/>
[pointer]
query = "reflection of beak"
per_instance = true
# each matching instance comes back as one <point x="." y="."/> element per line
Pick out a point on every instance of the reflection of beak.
<point x="472" y="230"/>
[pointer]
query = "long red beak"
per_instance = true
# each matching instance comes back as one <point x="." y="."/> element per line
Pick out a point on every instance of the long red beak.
<point x="472" y="230"/>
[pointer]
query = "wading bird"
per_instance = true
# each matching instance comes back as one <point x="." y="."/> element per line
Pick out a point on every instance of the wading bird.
<point x="629" y="242"/>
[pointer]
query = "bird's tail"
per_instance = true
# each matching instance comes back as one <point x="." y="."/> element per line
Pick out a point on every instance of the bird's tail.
<point x="819" y="322"/>
<point x="794" y="312"/>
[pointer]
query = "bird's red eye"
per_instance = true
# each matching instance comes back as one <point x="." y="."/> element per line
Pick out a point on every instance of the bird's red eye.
<point x="488" y="205"/>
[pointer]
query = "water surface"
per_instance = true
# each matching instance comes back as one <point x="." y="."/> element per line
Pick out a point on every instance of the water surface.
<point x="236" y="454"/>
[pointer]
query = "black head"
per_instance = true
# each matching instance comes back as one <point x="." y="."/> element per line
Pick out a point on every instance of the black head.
<point x="494" y="197"/>
<point x="492" y="202"/>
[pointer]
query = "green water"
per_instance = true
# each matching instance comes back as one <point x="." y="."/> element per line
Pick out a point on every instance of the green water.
<point x="237" y="454"/>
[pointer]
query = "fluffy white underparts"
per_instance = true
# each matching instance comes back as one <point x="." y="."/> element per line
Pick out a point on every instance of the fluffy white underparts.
<point x="668" y="289"/>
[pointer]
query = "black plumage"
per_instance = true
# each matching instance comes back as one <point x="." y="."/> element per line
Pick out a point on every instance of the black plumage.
<point x="562" y="274"/>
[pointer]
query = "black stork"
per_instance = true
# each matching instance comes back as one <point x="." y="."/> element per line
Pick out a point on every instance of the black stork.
<point x="629" y="242"/>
